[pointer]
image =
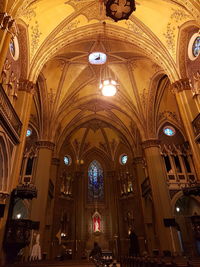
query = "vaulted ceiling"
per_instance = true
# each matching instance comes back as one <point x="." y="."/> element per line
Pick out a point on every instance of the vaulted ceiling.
<point x="142" y="56"/>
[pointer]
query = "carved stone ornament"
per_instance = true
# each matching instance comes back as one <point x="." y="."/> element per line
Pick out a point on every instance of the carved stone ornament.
<point x="27" y="86"/>
<point x="151" y="143"/>
<point x="6" y="21"/>
<point x="45" y="144"/>
<point x="181" y="85"/>
<point x="196" y="83"/>
<point x="3" y="197"/>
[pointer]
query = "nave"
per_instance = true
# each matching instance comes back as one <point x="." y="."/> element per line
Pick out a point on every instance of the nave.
<point x="99" y="129"/>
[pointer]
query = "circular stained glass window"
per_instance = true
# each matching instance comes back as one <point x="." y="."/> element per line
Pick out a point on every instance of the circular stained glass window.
<point x="97" y="58"/>
<point x="14" y="48"/>
<point x="123" y="159"/>
<point x="67" y="160"/>
<point x="28" y="132"/>
<point x="169" y="131"/>
<point x="196" y="47"/>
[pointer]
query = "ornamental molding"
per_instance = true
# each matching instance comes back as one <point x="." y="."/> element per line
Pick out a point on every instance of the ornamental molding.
<point x="181" y="85"/>
<point x="27" y="86"/>
<point x="45" y="144"/>
<point x="151" y="143"/>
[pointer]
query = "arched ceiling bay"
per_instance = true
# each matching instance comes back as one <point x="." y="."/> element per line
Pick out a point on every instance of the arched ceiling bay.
<point x="69" y="88"/>
<point x="158" y="20"/>
<point x="69" y="103"/>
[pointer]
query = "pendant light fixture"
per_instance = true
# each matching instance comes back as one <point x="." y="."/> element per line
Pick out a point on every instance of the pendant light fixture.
<point x="108" y="84"/>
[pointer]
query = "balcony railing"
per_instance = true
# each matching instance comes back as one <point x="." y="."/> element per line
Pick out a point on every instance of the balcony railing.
<point x="196" y="127"/>
<point x="9" y="118"/>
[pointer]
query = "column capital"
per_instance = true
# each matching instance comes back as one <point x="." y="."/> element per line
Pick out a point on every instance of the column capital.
<point x="151" y="143"/>
<point x="6" y="21"/>
<point x="55" y="161"/>
<point x="45" y="144"/>
<point x="27" y="86"/>
<point x="180" y="85"/>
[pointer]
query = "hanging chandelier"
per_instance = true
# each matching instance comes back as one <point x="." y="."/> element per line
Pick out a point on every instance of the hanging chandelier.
<point x="108" y="84"/>
<point x="119" y="9"/>
<point x="108" y="87"/>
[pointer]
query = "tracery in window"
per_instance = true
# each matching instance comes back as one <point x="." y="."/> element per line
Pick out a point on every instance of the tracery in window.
<point x="196" y="47"/>
<point x="95" y="182"/>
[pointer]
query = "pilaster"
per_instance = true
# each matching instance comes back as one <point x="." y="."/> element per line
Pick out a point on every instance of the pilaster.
<point x="189" y="111"/>
<point x="166" y="237"/>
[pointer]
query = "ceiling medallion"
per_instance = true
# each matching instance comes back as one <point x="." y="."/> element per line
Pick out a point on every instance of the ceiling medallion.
<point x="119" y="9"/>
<point x="97" y="58"/>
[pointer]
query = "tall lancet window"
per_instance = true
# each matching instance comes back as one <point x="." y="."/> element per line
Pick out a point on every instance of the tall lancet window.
<point x="95" y="182"/>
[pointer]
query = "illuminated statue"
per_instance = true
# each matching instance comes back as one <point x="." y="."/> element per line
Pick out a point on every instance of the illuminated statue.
<point x="96" y="226"/>
<point x="96" y="222"/>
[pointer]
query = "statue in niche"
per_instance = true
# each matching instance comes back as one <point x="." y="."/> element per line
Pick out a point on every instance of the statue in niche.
<point x="5" y="74"/>
<point x="66" y="184"/>
<point x="96" y="222"/>
<point x="130" y="219"/>
<point x="13" y="86"/>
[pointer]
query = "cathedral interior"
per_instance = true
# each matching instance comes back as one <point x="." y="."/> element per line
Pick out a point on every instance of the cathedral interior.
<point x="110" y="143"/>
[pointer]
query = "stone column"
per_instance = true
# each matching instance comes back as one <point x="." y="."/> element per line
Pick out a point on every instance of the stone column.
<point x="23" y="109"/>
<point x="41" y="181"/>
<point x="55" y="162"/>
<point x="167" y="236"/>
<point x="189" y="110"/>
<point x="139" y="166"/>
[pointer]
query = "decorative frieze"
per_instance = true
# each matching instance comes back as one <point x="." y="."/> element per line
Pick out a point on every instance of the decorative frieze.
<point x="27" y="86"/>
<point x="9" y="118"/>
<point x="181" y="85"/>
<point x="151" y="143"/>
<point x="45" y="144"/>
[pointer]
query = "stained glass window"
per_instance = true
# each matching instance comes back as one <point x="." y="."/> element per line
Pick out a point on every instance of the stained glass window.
<point x="196" y="47"/>
<point x="28" y="132"/>
<point x="95" y="182"/>
<point x="169" y="131"/>
<point x="12" y="47"/>
<point x="67" y="160"/>
<point x="123" y="159"/>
